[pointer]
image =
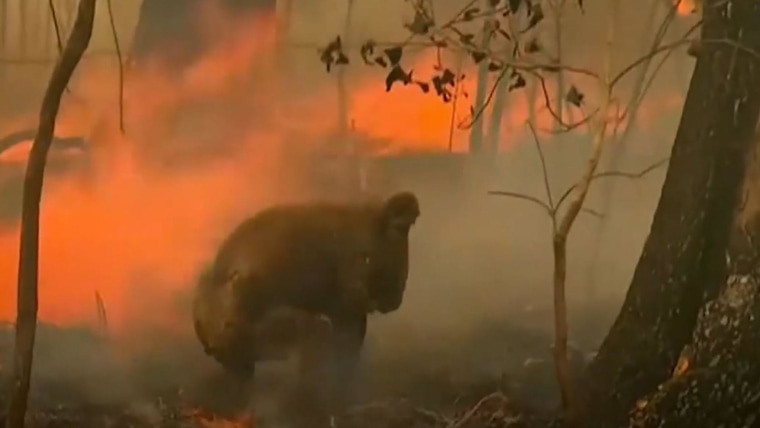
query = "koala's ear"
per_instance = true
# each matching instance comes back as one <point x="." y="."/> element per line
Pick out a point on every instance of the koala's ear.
<point x="399" y="212"/>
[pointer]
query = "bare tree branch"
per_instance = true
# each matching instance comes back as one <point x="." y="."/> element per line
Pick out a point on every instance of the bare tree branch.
<point x="684" y="40"/>
<point x="544" y="172"/>
<point x="117" y="45"/>
<point x="549" y="210"/>
<point x="631" y="175"/>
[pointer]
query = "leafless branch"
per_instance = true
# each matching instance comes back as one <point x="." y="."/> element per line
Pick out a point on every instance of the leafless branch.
<point x="11" y="60"/>
<point x="100" y="307"/>
<point x="564" y="127"/>
<point x="660" y="49"/>
<point x="474" y="410"/>
<point x="544" y="172"/>
<point x="457" y="89"/>
<point x="529" y="198"/>
<point x="117" y="46"/>
<point x="631" y="175"/>
<point x="479" y="112"/>
<point x="56" y="25"/>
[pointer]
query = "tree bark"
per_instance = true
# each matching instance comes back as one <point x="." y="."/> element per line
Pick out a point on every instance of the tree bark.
<point x="476" y="132"/>
<point x="683" y="263"/>
<point x="27" y="297"/>
<point x="717" y="380"/>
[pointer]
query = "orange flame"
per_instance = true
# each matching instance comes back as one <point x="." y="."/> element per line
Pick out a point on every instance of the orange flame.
<point x="137" y="231"/>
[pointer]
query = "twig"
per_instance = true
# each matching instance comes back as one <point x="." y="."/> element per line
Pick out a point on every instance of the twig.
<point x="56" y="26"/>
<point x="684" y="40"/>
<point x="631" y="175"/>
<point x="27" y="298"/>
<point x="544" y="172"/>
<point x="548" y="104"/>
<point x="457" y="88"/>
<point x="474" y="410"/>
<point x="481" y="109"/>
<point x="12" y="60"/>
<point x="529" y="198"/>
<point x="117" y="46"/>
<point x="102" y="314"/>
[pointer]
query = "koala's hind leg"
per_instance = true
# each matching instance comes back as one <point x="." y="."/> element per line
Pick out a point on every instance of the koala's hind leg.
<point x="285" y="331"/>
<point x="346" y="344"/>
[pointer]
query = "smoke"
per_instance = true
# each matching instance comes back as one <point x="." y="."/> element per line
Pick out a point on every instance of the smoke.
<point x="233" y="133"/>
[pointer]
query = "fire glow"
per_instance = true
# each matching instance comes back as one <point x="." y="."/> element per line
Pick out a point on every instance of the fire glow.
<point x="136" y="236"/>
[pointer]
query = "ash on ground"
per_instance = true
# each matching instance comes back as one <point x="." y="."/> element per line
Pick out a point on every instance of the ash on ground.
<point x="499" y="375"/>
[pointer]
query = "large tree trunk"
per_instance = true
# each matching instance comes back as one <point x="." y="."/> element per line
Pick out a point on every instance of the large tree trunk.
<point x="26" y="317"/>
<point x="683" y="263"/>
<point x="717" y="378"/>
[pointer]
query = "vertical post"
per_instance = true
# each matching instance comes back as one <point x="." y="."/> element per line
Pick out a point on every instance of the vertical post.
<point x="47" y="23"/>
<point x="3" y="39"/>
<point x="559" y="107"/>
<point x="342" y="89"/>
<point x="476" y="132"/>
<point x="22" y="33"/>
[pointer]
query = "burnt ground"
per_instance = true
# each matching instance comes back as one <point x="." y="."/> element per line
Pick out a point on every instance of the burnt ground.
<point x="499" y="375"/>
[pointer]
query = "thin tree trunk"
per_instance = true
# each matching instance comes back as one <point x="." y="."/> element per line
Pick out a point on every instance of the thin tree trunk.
<point x="618" y="148"/>
<point x="559" y="101"/>
<point x="27" y="298"/>
<point x="683" y="261"/>
<point x="342" y="89"/>
<point x="3" y="38"/>
<point x="476" y="132"/>
<point x="22" y="32"/>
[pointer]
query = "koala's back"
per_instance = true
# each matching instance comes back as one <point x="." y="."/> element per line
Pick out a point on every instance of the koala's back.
<point x="290" y="254"/>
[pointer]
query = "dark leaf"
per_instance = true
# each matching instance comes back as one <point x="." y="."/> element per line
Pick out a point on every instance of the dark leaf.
<point x="494" y="3"/>
<point x="381" y="62"/>
<point x="424" y="86"/>
<point x="514" y="5"/>
<point x="533" y="46"/>
<point x="466" y="38"/>
<point x="446" y="96"/>
<point x="470" y="14"/>
<point x="442" y="81"/>
<point x="397" y="74"/>
<point x="367" y="49"/>
<point x="447" y="77"/>
<point x="394" y="54"/>
<point x="342" y="59"/>
<point x="325" y="57"/>
<point x="574" y="96"/>
<point x="518" y="81"/>
<point x="421" y="24"/>
<point x="478" y="56"/>
<point x="536" y="16"/>
<point x="442" y="44"/>
<point x="495" y="66"/>
<point x="329" y="53"/>
<point x="504" y="34"/>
